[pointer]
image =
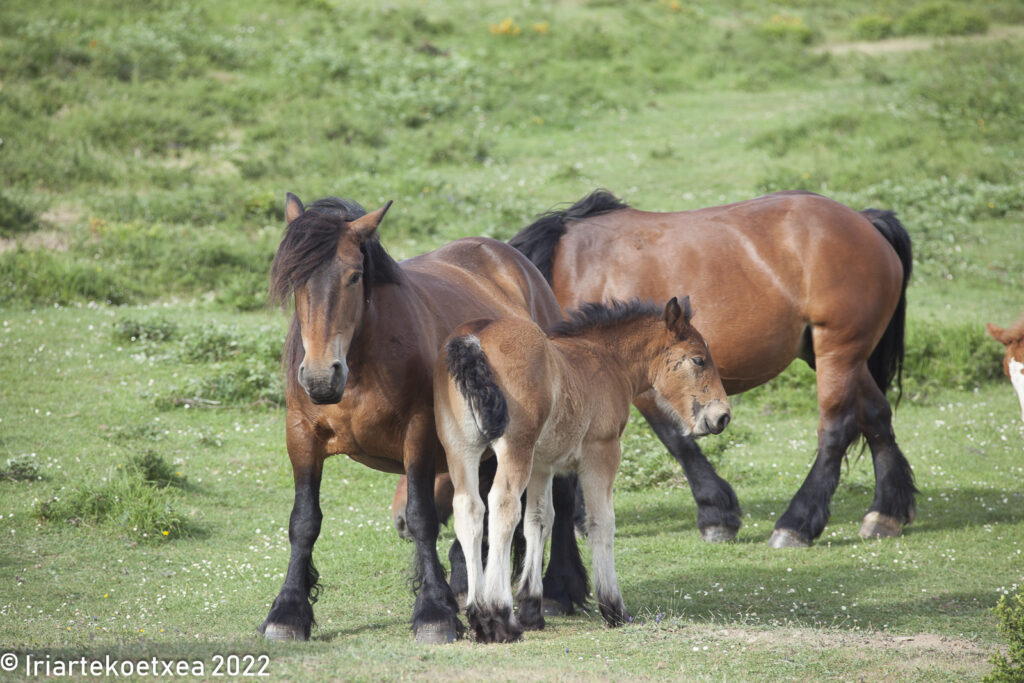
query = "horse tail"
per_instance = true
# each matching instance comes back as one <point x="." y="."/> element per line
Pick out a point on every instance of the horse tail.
<point x="886" y="361"/>
<point x="469" y="369"/>
<point x="538" y="240"/>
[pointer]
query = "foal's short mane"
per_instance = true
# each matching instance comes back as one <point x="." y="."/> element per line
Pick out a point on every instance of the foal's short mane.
<point x="591" y="315"/>
<point x="537" y="241"/>
<point x="310" y="242"/>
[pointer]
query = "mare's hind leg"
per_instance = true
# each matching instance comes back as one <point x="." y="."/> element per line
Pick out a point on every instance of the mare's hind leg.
<point x="893" y="506"/>
<point x="808" y="512"/>
<point x="565" y="582"/>
<point x="596" y="479"/>
<point x="718" y="510"/>
<point x="291" y="615"/>
<point x="536" y="528"/>
<point x="491" y="616"/>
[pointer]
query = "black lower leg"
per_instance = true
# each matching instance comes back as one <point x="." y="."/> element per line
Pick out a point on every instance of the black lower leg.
<point x="565" y="581"/>
<point x="435" y="613"/>
<point x="717" y="505"/>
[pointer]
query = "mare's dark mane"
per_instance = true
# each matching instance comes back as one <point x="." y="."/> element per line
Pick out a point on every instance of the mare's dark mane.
<point x="591" y="315"/>
<point x="310" y="242"/>
<point x="537" y="241"/>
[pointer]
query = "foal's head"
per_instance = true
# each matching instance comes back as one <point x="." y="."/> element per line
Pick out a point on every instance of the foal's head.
<point x="685" y="376"/>
<point x="1013" y="361"/>
<point x="323" y="260"/>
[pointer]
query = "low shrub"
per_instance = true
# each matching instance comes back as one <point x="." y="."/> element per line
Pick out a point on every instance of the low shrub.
<point x="1009" y="668"/>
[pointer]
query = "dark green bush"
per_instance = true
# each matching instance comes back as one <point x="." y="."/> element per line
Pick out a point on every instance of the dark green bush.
<point x="941" y="19"/>
<point x="873" y="26"/>
<point x="1009" y="669"/>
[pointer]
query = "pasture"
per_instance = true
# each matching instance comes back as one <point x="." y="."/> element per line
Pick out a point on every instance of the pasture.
<point x="145" y="156"/>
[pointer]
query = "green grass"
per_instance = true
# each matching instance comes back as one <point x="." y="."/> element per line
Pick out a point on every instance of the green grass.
<point x="139" y="372"/>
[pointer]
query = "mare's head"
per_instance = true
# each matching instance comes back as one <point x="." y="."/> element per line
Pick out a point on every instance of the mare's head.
<point x="329" y="258"/>
<point x="685" y="376"/>
<point x="1013" y="361"/>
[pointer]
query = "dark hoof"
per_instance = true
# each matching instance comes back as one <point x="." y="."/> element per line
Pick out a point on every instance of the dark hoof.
<point x="784" y="538"/>
<point x="554" y="608"/>
<point x="717" y="533"/>
<point x="493" y="626"/>
<point x="530" y="614"/>
<point x="877" y="525"/>
<point x="278" y="632"/>
<point x="616" y="616"/>
<point x="436" y="634"/>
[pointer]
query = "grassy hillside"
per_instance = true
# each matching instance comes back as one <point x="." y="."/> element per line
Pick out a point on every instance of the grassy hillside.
<point x="146" y="150"/>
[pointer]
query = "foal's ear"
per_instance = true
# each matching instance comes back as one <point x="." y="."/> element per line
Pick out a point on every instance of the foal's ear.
<point x="997" y="333"/>
<point x="365" y="226"/>
<point x="676" y="310"/>
<point x="292" y="207"/>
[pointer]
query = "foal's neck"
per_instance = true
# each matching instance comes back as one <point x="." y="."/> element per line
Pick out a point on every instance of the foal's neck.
<point x="624" y="349"/>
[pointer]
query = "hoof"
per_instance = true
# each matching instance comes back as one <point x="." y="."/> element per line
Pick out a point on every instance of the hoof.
<point x="553" y="608"/>
<point x="784" y="538"/>
<point x="717" y="533"/>
<point x="877" y="525"/>
<point x="279" y="632"/>
<point x="435" y="634"/>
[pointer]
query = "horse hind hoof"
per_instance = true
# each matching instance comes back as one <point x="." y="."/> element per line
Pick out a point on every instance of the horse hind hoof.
<point x="784" y="538"/>
<point x="281" y="632"/>
<point x="554" y="608"/>
<point x="717" y="533"/>
<point x="435" y="634"/>
<point x="877" y="525"/>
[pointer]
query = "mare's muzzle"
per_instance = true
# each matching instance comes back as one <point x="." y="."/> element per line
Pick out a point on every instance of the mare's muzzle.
<point x="324" y="384"/>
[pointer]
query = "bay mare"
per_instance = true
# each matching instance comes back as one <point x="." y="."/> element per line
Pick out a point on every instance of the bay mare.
<point x="784" y="276"/>
<point x="552" y="405"/>
<point x="359" y="358"/>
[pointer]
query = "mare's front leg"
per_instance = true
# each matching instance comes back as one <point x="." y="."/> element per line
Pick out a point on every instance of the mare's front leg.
<point x="718" y="510"/>
<point x="435" y="614"/>
<point x="291" y="615"/>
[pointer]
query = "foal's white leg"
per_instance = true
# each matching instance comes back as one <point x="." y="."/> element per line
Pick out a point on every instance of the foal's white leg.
<point x="468" y="516"/>
<point x="494" y="621"/>
<point x="596" y="479"/>
<point x="539" y="516"/>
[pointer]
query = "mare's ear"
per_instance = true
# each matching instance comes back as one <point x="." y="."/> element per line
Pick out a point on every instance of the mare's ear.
<point x="997" y="333"/>
<point x="365" y="226"/>
<point x="676" y="310"/>
<point x="292" y="207"/>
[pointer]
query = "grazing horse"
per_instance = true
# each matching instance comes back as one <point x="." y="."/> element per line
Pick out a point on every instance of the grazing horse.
<point x="359" y="357"/>
<point x="789" y="275"/>
<point x="551" y="405"/>
<point x="1013" y="362"/>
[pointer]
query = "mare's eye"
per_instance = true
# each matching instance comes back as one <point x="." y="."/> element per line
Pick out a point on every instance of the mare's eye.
<point x="698" y="361"/>
<point x="354" y="278"/>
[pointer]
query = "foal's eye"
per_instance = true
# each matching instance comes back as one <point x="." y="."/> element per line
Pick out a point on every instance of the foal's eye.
<point x="698" y="361"/>
<point x="354" y="278"/>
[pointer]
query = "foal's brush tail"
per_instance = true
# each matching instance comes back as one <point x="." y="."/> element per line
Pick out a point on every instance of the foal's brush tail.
<point x="469" y="369"/>
<point x="886" y="361"/>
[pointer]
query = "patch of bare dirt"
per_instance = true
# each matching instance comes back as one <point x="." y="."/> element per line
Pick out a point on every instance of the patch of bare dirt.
<point x="40" y="239"/>
<point x="913" y="43"/>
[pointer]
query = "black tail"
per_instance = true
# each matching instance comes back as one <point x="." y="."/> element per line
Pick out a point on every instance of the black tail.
<point x="886" y="361"/>
<point x="472" y="374"/>
<point x="537" y="241"/>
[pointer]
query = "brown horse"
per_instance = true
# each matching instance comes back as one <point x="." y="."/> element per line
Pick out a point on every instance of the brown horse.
<point x="547" y="405"/>
<point x="443" y="492"/>
<point x="360" y="356"/>
<point x="1013" y="362"/>
<point x="789" y="275"/>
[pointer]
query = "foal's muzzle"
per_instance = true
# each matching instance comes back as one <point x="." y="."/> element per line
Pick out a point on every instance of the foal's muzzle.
<point x="714" y="418"/>
<point x="324" y="385"/>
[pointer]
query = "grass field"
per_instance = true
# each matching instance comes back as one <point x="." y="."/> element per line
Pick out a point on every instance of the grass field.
<point x="145" y="154"/>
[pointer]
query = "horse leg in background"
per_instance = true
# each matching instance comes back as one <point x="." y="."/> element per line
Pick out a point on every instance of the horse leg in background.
<point x="435" y="614"/>
<point x="443" y="492"/>
<point x="565" y="581"/>
<point x="539" y="515"/>
<point x="718" y="510"/>
<point x="291" y="615"/>
<point x="597" y="487"/>
<point x="459" y="579"/>
<point x="808" y="512"/>
<point x="893" y="506"/>
<point x="491" y="615"/>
